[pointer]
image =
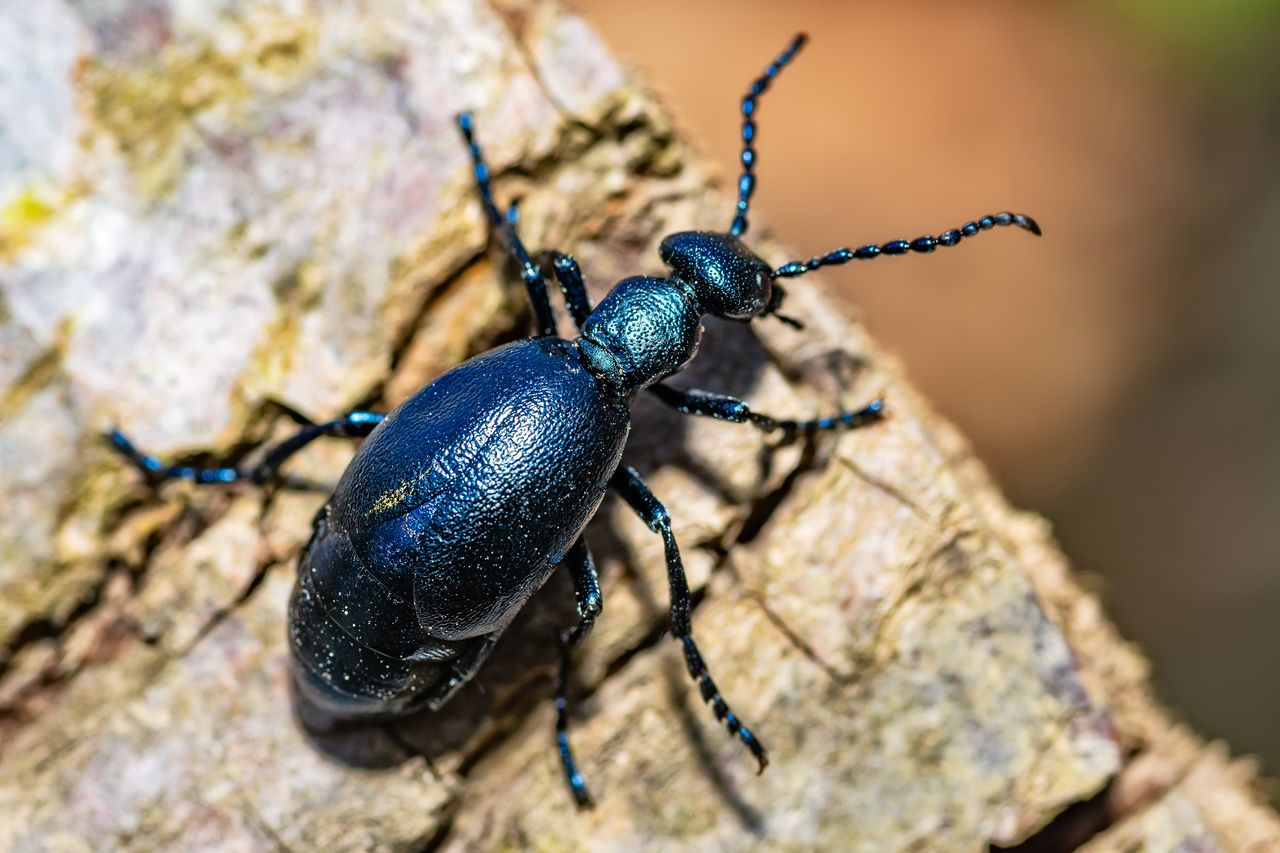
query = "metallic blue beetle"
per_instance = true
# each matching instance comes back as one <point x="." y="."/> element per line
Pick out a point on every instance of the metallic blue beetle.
<point x="462" y="502"/>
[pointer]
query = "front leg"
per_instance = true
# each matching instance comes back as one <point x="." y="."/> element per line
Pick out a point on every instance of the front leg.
<point x="504" y="228"/>
<point x="726" y="408"/>
<point x="533" y="273"/>
<point x="569" y="276"/>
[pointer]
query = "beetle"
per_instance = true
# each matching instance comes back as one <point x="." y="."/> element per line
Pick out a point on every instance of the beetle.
<point x="462" y="501"/>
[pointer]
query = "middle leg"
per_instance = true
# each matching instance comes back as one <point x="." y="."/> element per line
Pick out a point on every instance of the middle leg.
<point x="628" y="483"/>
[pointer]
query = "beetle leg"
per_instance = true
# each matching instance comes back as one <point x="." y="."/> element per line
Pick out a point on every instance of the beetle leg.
<point x="462" y="669"/>
<point x="725" y="408"/>
<point x="351" y="425"/>
<point x="569" y="276"/>
<point x="628" y="482"/>
<point x="586" y="589"/>
<point x="504" y="228"/>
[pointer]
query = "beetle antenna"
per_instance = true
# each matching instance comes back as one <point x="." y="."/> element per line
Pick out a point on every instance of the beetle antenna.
<point x="923" y="245"/>
<point x="747" y="181"/>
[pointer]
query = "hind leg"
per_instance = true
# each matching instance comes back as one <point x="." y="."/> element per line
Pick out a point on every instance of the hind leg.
<point x="461" y="670"/>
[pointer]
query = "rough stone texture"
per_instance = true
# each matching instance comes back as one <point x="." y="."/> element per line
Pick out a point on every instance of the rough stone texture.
<point x="220" y="213"/>
<point x="1204" y="811"/>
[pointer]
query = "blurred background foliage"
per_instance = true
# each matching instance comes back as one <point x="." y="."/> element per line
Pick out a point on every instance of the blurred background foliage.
<point x="1229" y="44"/>
<point x="1120" y="374"/>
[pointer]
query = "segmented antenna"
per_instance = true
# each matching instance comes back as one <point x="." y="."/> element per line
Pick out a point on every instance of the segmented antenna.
<point x="924" y="244"/>
<point x="747" y="182"/>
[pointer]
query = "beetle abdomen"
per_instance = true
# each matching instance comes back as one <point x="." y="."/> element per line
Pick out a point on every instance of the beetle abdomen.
<point x="358" y="647"/>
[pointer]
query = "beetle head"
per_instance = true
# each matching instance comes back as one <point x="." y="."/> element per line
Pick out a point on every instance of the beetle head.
<point x="727" y="278"/>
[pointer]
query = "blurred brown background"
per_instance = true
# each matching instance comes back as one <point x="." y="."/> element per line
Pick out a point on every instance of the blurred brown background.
<point x="1119" y="375"/>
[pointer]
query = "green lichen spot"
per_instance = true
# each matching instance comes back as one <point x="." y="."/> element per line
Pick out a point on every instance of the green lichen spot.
<point x="148" y="110"/>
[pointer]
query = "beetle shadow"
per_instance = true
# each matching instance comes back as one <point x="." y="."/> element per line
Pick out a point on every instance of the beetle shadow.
<point x="679" y="697"/>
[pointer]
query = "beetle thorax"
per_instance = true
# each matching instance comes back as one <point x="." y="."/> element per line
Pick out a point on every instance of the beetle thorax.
<point x="644" y="330"/>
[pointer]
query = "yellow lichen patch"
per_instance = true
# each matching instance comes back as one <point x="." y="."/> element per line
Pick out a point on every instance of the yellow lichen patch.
<point x="297" y="292"/>
<point x="281" y="45"/>
<point x="22" y="218"/>
<point x="148" y="109"/>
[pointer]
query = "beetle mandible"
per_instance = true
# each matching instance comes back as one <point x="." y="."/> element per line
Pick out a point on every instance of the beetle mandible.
<point x="462" y="501"/>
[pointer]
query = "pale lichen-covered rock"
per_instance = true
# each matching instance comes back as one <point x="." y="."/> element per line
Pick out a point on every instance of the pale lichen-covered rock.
<point x="262" y="200"/>
<point x="219" y="214"/>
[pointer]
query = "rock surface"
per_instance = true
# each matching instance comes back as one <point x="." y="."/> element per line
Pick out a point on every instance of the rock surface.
<point x="219" y="215"/>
